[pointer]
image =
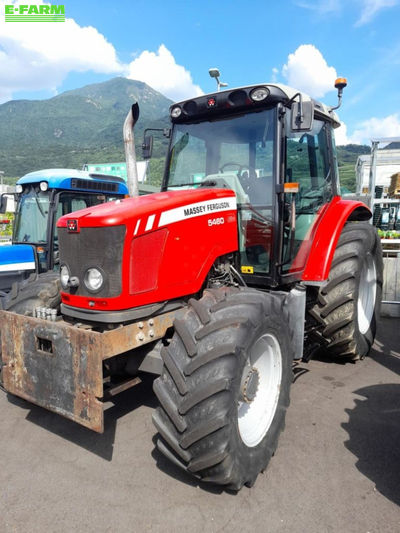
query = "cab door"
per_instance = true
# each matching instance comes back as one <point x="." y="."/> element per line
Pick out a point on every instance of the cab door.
<point x="310" y="163"/>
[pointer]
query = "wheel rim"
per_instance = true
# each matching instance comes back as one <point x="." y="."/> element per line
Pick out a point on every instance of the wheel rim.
<point x="255" y="418"/>
<point x="366" y="294"/>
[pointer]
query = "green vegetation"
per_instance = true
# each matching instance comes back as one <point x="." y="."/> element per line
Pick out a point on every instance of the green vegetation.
<point x="6" y="229"/>
<point x="155" y="171"/>
<point x="347" y="158"/>
<point x="77" y="127"/>
<point x="347" y="176"/>
<point x="392" y="234"/>
<point x="7" y="180"/>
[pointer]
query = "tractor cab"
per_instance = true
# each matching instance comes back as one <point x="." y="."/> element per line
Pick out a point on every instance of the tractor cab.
<point x="42" y="197"/>
<point x="275" y="149"/>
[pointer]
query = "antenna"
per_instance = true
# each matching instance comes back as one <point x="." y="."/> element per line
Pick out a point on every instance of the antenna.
<point x="214" y="73"/>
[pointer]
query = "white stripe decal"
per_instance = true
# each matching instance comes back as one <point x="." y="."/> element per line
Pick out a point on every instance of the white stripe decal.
<point x="137" y="227"/>
<point x="207" y="207"/>
<point x="150" y="222"/>
<point x="18" y="266"/>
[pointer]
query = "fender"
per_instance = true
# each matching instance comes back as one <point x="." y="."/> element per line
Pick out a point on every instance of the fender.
<point x="17" y="261"/>
<point x="325" y="235"/>
<point x="14" y="257"/>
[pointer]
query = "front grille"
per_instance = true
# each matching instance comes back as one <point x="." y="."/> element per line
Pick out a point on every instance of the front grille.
<point x="94" y="247"/>
<point x="77" y="183"/>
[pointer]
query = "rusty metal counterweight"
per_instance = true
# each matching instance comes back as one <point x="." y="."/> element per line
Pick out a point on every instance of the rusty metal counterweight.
<point x="60" y="366"/>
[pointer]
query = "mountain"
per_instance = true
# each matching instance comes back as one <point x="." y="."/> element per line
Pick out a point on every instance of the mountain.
<point x="78" y="126"/>
<point x="347" y="159"/>
<point x="85" y="126"/>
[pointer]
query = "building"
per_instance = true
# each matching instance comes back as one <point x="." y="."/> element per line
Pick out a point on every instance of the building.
<point x="9" y="190"/>
<point x="387" y="164"/>
<point x="118" y="169"/>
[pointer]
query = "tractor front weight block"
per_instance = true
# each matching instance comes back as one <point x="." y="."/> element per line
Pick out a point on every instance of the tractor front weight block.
<point x="59" y="366"/>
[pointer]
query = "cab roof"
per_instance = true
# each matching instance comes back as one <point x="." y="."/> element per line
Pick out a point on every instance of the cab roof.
<point x="236" y="98"/>
<point x="71" y="179"/>
<point x="322" y="108"/>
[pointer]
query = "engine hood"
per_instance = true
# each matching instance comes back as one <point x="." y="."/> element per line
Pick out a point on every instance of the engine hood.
<point x="160" y="207"/>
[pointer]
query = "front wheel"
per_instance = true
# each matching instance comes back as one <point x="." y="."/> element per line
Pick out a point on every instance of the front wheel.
<point x="348" y="303"/>
<point x="224" y="388"/>
<point x="39" y="290"/>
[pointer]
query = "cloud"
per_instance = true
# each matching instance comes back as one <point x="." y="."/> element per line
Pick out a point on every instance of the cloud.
<point x="160" y="71"/>
<point x="376" y="128"/>
<point x="307" y="70"/>
<point x="341" y="135"/>
<point x="38" y="56"/>
<point x="322" y="7"/>
<point x="373" y="128"/>
<point x="371" y="7"/>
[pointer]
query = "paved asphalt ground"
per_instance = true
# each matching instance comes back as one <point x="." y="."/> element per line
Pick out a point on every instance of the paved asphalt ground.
<point x="337" y="467"/>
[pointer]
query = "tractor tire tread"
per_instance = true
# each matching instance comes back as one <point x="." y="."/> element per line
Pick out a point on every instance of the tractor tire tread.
<point x="195" y="390"/>
<point x="335" y="307"/>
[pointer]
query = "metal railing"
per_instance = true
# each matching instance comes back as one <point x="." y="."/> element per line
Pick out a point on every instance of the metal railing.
<point x="391" y="277"/>
<point x="5" y="240"/>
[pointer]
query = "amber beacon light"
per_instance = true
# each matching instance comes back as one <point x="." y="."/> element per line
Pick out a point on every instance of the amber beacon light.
<point x="340" y="84"/>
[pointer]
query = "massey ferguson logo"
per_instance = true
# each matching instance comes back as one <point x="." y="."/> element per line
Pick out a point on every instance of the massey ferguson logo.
<point x="72" y="225"/>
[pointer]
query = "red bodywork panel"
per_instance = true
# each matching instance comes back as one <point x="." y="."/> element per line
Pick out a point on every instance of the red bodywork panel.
<point x="173" y="238"/>
<point x="171" y="241"/>
<point x="317" y="250"/>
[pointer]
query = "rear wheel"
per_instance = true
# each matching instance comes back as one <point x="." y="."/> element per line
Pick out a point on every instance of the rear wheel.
<point x="349" y="301"/>
<point x="224" y="388"/>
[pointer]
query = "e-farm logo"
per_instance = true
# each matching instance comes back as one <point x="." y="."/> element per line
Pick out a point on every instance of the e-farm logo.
<point x="34" y="13"/>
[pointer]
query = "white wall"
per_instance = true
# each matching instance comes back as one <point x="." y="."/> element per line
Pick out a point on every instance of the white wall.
<point x="387" y="164"/>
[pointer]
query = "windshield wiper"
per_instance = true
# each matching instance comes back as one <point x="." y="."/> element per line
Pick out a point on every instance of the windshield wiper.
<point x="38" y="204"/>
<point x="40" y="243"/>
<point x="207" y="183"/>
<point x="183" y="185"/>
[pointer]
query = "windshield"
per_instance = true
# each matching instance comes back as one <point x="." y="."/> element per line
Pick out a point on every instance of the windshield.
<point x="32" y="216"/>
<point x="237" y="153"/>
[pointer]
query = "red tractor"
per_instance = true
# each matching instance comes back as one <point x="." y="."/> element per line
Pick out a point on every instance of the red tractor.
<point x="247" y="255"/>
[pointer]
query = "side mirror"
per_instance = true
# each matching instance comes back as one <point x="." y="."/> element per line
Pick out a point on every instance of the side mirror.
<point x="147" y="147"/>
<point x="302" y="116"/>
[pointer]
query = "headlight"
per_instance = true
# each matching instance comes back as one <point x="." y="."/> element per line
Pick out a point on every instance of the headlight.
<point x="93" y="279"/>
<point x="176" y="112"/>
<point x="64" y="276"/>
<point x="43" y="185"/>
<point x="19" y="188"/>
<point x="259" y="94"/>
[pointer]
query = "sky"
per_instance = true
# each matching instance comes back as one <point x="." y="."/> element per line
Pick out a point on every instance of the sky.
<point x="171" y="45"/>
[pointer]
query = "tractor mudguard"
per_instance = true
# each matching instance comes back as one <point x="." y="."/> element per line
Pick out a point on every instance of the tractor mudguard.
<point x="17" y="261"/>
<point x="324" y="235"/>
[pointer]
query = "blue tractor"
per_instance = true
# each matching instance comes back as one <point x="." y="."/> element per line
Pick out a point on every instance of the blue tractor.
<point x="28" y="266"/>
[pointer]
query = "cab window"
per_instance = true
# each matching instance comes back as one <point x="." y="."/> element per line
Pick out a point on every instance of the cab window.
<point x="308" y="164"/>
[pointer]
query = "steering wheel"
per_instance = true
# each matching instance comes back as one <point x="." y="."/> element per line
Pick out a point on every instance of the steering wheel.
<point x="240" y="167"/>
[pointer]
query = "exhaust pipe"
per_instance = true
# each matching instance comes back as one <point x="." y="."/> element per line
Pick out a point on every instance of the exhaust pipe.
<point x="130" y="154"/>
